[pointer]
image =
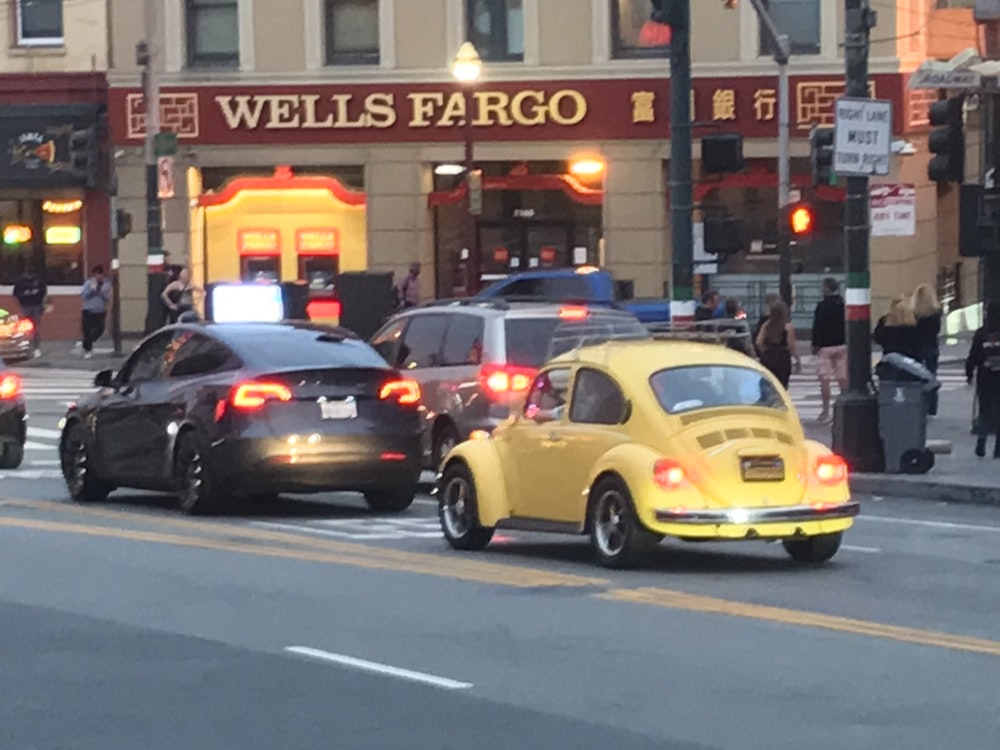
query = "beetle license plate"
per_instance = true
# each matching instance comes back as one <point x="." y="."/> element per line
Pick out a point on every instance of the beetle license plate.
<point x="762" y="469"/>
<point x="339" y="409"/>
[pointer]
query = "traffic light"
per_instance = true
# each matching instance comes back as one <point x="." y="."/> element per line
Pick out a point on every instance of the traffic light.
<point x="801" y="221"/>
<point x="821" y="145"/>
<point x="723" y="235"/>
<point x="84" y="153"/>
<point x="123" y="224"/>
<point x="947" y="141"/>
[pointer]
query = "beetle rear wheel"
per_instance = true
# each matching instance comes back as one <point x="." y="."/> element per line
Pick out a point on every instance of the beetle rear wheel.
<point x="617" y="535"/>
<point x="815" y="549"/>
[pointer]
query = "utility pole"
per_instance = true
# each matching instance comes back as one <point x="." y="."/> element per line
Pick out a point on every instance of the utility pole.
<point x="855" y="413"/>
<point x="681" y="191"/>
<point x="782" y="53"/>
<point x="147" y="59"/>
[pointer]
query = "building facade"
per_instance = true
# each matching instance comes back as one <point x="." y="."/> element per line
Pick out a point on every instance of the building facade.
<point x="54" y="195"/>
<point x="322" y="136"/>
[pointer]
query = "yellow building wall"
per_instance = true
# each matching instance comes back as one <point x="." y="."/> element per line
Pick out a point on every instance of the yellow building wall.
<point x="285" y="211"/>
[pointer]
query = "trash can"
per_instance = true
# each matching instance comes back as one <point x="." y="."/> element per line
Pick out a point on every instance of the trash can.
<point x="904" y="392"/>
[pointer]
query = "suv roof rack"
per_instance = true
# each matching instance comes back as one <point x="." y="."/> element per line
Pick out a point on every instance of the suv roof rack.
<point x="599" y="327"/>
<point x="543" y="300"/>
<point x="731" y="332"/>
<point x="496" y="303"/>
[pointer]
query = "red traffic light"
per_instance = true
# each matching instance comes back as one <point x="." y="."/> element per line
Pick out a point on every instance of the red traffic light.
<point x="801" y="220"/>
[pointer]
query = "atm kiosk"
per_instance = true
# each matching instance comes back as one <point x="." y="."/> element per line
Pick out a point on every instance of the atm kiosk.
<point x="260" y="254"/>
<point x="318" y="253"/>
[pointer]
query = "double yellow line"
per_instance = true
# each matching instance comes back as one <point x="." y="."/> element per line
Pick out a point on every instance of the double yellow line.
<point x="231" y="538"/>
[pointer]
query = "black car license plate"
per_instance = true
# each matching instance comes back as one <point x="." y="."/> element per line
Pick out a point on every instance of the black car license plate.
<point x="762" y="469"/>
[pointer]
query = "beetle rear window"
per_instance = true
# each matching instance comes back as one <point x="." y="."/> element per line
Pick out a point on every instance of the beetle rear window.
<point x="684" y="389"/>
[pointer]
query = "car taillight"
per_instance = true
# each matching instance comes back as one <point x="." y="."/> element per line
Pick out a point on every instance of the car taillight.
<point x="668" y="475"/>
<point x="831" y="469"/>
<point x="405" y="392"/>
<point x="573" y="313"/>
<point x="505" y="380"/>
<point x="24" y="327"/>
<point x="10" y="386"/>
<point x="251" y="396"/>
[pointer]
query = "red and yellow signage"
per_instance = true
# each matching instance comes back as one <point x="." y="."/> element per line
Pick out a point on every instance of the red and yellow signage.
<point x="317" y="242"/>
<point x="259" y="242"/>
<point x="604" y="109"/>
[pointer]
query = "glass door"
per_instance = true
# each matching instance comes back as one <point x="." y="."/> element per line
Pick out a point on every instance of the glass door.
<point x="515" y="246"/>
<point x="547" y="246"/>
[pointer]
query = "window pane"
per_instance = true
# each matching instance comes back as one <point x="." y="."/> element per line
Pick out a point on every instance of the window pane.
<point x="800" y="19"/>
<point x="639" y="29"/>
<point x="596" y="399"/>
<point x="213" y="31"/>
<point x="463" y="343"/>
<point x="684" y="389"/>
<point x="351" y="30"/>
<point x="41" y="19"/>
<point x="422" y="345"/>
<point x="496" y="27"/>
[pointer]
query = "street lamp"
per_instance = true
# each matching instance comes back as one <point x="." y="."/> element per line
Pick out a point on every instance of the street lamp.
<point x="466" y="68"/>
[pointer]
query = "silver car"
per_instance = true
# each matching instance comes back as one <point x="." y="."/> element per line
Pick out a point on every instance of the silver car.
<point x="473" y="359"/>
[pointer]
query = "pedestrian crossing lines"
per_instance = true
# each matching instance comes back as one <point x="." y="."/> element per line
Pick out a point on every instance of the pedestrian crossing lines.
<point x="58" y="388"/>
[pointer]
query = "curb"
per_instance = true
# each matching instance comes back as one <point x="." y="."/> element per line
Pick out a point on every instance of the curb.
<point x="920" y="488"/>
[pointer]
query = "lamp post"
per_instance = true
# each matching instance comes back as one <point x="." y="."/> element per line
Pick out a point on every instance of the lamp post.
<point x="466" y="68"/>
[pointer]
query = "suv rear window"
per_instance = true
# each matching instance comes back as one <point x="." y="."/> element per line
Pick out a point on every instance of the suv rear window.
<point x="528" y="340"/>
<point x="684" y="389"/>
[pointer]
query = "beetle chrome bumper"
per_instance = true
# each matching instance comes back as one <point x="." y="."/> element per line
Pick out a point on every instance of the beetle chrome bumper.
<point x="753" y="516"/>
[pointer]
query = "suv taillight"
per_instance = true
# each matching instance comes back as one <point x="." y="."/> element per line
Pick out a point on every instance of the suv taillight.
<point x="501" y="381"/>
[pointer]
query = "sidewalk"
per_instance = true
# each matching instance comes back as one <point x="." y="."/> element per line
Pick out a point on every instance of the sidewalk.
<point x="65" y="355"/>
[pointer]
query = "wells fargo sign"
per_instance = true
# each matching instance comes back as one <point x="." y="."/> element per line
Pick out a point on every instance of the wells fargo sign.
<point x="504" y="111"/>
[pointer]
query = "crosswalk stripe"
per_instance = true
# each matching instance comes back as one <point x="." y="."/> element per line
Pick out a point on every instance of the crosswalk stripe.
<point x="43" y="433"/>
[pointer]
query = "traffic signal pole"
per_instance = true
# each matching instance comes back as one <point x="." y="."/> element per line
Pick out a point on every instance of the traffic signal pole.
<point x="154" y="209"/>
<point x="682" y="305"/>
<point x="855" y="425"/>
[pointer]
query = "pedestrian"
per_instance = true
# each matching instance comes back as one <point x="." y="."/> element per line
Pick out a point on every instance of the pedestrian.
<point x="709" y="304"/>
<point x="896" y="331"/>
<point x="96" y="295"/>
<point x="770" y="301"/>
<point x="829" y="343"/>
<point x="178" y="295"/>
<point x="732" y="308"/>
<point x="927" y="310"/>
<point x="983" y="363"/>
<point x="408" y="290"/>
<point x="776" y="344"/>
<point x="30" y="292"/>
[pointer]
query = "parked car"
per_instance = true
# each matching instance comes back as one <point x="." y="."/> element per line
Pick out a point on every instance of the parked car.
<point x="585" y="284"/>
<point x="475" y="358"/>
<point x="631" y="442"/>
<point x="219" y="412"/>
<point x="16" y="334"/>
<point x="13" y="419"/>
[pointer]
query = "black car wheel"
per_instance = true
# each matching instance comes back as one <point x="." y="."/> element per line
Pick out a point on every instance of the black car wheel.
<point x="11" y="455"/>
<point x="457" y="510"/>
<point x="445" y="439"/>
<point x="391" y="501"/>
<point x="618" y="537"/>
<point x="815" y="549"/>
<point x="82" y="481"/>
<point x="196" y="493"/>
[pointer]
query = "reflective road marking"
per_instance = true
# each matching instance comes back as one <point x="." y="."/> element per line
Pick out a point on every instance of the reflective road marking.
<point x="384" y="669"/>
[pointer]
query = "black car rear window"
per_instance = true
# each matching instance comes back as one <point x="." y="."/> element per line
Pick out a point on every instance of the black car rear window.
<point x="528" y="340"/>
<point x="305" y="349"/>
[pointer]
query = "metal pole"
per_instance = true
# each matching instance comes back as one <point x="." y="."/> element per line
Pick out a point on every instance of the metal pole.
<point x="855" y="426"/>
<point x="784" y="187"/>
<point x="473" y="270"/>
<point x="154" y="210"/>
<point x="682" y="304"/>
<point x="116" y="289"/>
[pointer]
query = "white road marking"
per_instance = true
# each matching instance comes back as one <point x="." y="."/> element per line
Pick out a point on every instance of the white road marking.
<point x="43" y="433"/>
<point x="32" y="446"/>
<point x="931" y="524"/>
<point x="855" y="548"/>
<point x="366" y="536"/>
<point x="26" y="474"/>
<point x="57" y="462"/>
<point x="375" y="667"/>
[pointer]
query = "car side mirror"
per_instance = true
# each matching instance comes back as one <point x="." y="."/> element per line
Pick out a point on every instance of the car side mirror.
<point x="104" y="379"/>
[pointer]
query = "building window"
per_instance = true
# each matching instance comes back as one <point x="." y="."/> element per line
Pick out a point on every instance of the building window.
<point x="639" y="29"/>
<point x="39" y="22"/>
<point x="213" y="33"/>
<point x="352" y="36"/>
<point x="800" y="19"/>
<point x="496" y="27"/>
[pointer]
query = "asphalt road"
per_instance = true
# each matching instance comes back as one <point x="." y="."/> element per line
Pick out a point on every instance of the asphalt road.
<point x="315" y="624"/>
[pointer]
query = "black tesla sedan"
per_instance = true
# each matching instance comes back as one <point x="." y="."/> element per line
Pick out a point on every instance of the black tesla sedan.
<point x="219" y="412"/>
<point x="13" y="419"/>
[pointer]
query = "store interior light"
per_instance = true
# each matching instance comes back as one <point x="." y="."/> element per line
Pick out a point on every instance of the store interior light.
<point x="62" y="207"/>
<point x="587" y="167"/>
<point x="16" y="234"/>
<point x="448" y="170"/>
<point x="63" y="236"/>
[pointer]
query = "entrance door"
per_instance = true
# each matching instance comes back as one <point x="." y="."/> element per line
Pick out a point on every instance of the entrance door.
<point x="514" y="246"/>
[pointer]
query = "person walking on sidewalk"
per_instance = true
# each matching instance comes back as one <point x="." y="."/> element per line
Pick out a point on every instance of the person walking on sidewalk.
<point x="96" y="294"/>
<point x="829" y="343"/>
<point x="30" y="292"/>
<point x="777" y="345"/>
<point x="983" y="363"/>
<point x="928" y="311"/>
<point x="896" y="331"/>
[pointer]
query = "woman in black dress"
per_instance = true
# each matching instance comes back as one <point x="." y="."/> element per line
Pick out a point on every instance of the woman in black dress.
<point x="896" y="331"/>
<point x="928" y="312"/>
<point x="776" y="343"/>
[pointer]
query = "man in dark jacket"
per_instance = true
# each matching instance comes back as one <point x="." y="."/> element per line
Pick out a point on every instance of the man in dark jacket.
<point x="30" y="292"/>
<point x="829" y="342"/>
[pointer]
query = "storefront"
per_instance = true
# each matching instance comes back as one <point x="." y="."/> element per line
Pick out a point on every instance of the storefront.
<point x="54" y="205"/>
<point x="573" y="172"/>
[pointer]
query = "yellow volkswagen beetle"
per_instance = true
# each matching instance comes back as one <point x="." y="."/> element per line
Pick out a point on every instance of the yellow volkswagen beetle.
<point x="634" y="441"/>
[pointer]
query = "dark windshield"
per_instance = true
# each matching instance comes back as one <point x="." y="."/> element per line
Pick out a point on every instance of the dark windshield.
<point x="684" y="389"/>
<point x="528" y="340"/>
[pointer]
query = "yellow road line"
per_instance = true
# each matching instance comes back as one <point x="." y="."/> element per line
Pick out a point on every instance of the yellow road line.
<point x="693" y="603"/>
<point x="531" y="576"/>
<point x="504" y="575"/>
